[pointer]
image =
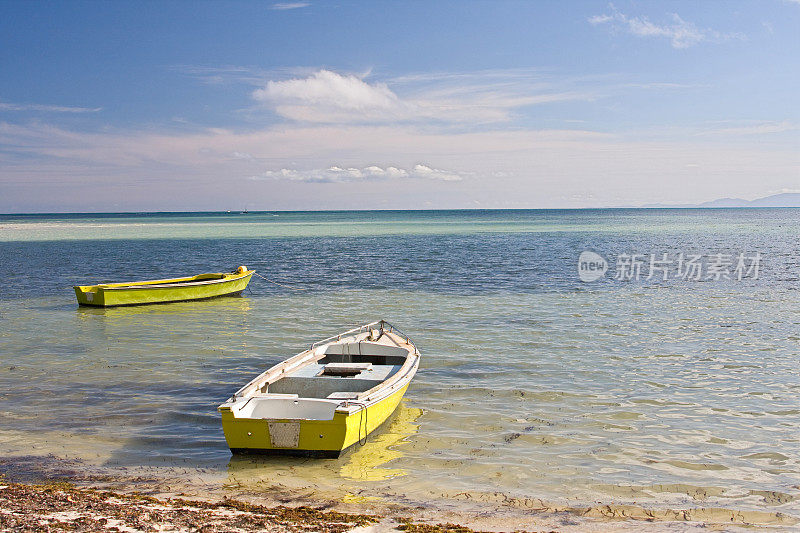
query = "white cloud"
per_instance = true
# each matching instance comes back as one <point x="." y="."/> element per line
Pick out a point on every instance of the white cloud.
<point x="223" y="74"/>
<point x="664" y="85"/>
<point x="328" y="94"/>
<point x="7" y="106"/>
<point x="336" y="174"/>
<point x="330" y="97"/>
<point x="500" y="168"/>
<point x="681" y="33"/>
<point x="760" y="128"/>
<point x="283" y="6"/>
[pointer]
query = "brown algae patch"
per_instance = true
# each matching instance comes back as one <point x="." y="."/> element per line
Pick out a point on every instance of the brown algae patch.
<point x="411" y="527"/>
<point x="62" y="506"/>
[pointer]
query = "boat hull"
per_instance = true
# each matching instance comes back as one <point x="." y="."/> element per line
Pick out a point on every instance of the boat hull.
<point x="317" y="438"/>
<point x="162" y="291"/>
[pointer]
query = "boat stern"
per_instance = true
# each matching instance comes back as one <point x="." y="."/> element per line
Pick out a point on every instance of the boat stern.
<point x="89" y="295"/>
<point x="284" y="424"/>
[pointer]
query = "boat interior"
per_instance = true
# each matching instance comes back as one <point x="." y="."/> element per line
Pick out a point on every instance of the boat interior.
<point x="339" y="372"/>
<point x="168" y="282"/>
<point x="195" y="279"/>
<point x="343" y="371"/>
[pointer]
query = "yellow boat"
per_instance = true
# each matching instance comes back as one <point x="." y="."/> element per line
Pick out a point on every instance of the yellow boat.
<point x="326" y="399"/>
<point x="165" y="290"/>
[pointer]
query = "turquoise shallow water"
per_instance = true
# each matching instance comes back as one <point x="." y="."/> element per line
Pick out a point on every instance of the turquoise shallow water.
<point x="533" y="384"/>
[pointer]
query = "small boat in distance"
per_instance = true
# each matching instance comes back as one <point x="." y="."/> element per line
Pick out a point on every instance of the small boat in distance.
<point x="156" y="291"/>
<point x="326" y="399"/>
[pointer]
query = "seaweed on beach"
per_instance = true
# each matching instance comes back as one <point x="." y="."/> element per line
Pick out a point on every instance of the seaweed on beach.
<point x="62" y="506"/>
<point x="410" y="526"/>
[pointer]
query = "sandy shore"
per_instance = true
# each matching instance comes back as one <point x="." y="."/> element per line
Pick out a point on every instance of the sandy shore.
<point x="39" y="493"/>
<point x="62" y="506"/>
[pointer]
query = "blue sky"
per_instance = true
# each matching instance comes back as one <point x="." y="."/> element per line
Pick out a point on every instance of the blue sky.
<point x="112" y="106"/>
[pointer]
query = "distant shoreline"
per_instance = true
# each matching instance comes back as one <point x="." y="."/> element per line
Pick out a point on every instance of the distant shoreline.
<point x="114" y="214"/>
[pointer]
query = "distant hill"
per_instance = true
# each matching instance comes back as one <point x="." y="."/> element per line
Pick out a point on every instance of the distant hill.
<point x="726" y="202"/>
<point x="786" y="199"/>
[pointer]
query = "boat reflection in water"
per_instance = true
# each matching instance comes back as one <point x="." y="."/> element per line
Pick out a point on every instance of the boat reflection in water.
<point x="370" y="462"/>
<point x="222" y="324"/>
<point x="190" y="310"/>
<point x="367" y="462"/>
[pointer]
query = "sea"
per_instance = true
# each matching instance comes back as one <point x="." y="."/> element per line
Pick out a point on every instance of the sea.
<point x="641" y="358"/>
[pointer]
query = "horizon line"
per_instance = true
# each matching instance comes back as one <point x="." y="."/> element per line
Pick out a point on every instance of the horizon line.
<point x="226" y="212"/>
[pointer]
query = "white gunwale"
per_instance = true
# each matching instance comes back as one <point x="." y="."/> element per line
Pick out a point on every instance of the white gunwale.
<point x="152" y="284"/>
<point x="395" y="382"/>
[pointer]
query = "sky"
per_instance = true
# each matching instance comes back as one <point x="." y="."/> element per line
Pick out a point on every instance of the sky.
<point x="317" y="105"/>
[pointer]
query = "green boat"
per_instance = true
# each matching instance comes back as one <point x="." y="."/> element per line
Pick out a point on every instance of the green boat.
<point x="158" y="291"/>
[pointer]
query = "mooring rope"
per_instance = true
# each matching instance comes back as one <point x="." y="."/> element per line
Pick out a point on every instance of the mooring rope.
<point x="363" y="417"/>
<point x="279" y="284"/>
<point x="366" y="425"/>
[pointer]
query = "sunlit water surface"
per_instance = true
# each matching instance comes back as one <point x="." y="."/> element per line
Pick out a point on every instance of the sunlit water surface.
<point x="532" y="384"/>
